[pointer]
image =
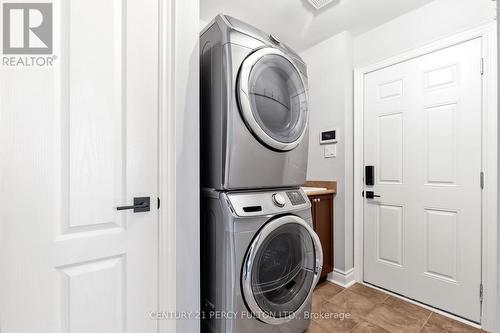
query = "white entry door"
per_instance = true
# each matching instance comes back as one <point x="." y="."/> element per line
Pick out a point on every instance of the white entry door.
<point x="422" y="234"/>
<point x="78" y="139"/>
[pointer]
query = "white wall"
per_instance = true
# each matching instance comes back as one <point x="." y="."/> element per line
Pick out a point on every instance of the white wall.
<point x="330" y="94"/>
<point x="203" y="24"/>
<point x="417" y="28"/>
<point x="330" y="65"/>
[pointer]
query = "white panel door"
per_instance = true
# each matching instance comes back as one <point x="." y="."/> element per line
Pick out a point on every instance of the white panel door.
<point x="422" y="235"/>
<point x="78" y="140"/>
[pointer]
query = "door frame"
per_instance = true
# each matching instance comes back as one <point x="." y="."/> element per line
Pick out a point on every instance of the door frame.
<point x="178" y="166"/>
<point x="488" y="34"/>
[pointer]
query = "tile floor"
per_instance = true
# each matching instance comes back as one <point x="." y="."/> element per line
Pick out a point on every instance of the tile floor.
<point x="369" y="310"/>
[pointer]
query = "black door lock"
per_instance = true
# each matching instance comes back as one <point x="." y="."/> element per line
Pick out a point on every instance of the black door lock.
<point x="141" y="204"/>
<point x="369" y="175"/>
<point x="371" y="195"/>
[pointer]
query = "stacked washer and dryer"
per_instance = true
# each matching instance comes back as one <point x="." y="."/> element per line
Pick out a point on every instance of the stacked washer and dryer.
<point x="260" y="258"/>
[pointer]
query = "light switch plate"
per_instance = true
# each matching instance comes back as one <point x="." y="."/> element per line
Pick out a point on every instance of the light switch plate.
<point x="330" y="151"/>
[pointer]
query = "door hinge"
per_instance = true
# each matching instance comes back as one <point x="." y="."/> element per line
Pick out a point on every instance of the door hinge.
<point x="481" y="180"/>
<point x="482" y="66"/>
<point x="481" y="292"/>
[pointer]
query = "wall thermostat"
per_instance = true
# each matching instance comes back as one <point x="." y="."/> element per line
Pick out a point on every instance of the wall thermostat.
<point x="328" y="136"/>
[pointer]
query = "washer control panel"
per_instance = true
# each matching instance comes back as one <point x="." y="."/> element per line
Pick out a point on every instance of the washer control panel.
<point x="279" y="199"/>
<point x="296" y="198"/>
<point x="255" y="203"/>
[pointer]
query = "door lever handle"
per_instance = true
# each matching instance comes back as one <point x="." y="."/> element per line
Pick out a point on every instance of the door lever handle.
<point x="371" y="195"/>
<point x="141" y="204"/>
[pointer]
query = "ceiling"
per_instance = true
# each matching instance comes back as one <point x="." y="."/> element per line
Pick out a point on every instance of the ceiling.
<point x="296" y="22"/>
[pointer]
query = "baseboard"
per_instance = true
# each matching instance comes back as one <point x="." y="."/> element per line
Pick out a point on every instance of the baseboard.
<point x="343" y="279"/>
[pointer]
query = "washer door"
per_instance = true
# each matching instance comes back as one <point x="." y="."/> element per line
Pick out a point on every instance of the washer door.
<point x="281" y="269"/>
<point x="273" y="99"/>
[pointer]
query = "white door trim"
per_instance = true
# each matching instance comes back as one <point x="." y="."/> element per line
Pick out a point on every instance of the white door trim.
<point x="166" y="119"/>
<point x="178" y="188"/>
<point x="489" y="160"/>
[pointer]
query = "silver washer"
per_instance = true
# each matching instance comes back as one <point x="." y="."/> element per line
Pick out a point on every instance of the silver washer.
<point x="246" y="278"/>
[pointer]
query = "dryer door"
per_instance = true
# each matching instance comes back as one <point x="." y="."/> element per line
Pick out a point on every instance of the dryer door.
<point x="281" y="269"/>
<point x="273" y="99"/>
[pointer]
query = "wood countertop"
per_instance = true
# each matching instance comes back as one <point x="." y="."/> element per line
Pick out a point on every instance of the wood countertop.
<point x="331" y="187"/>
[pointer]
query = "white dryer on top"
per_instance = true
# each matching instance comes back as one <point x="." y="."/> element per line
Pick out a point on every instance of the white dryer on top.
<point x="254" y="109"/>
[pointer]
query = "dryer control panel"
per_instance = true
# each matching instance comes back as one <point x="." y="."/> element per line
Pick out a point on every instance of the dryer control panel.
<point x="256" y="203"/>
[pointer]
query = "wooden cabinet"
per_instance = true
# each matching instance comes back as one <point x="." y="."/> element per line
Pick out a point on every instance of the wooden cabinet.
<point x="322" y="215"/>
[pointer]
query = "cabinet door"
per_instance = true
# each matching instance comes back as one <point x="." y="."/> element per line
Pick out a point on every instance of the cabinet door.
<point x="323" y="225"/>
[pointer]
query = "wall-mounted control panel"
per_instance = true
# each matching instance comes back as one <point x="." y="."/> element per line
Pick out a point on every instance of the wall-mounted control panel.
<point x="330" y="151"/>
<point x="328" y="136"/>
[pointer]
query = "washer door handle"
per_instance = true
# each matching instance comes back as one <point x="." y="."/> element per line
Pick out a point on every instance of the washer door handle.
<point x="319" y="257"/>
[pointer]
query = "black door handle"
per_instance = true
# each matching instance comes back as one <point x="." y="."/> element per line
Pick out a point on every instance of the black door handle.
<point x="141" y="204"/>
<point x="371" y="195"/>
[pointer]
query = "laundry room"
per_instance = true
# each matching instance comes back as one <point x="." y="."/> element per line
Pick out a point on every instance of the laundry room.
<point x="249" y="166"/>
<point x="339" y="142"/>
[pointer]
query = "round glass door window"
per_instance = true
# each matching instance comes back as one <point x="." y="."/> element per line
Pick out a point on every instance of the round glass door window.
<point x="281" y="270"/>
<point x="273" y="99"/>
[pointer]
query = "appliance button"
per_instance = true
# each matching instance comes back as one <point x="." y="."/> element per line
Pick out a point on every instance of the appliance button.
<point x="279" y="200"/>
<point x="274" y="39"/>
